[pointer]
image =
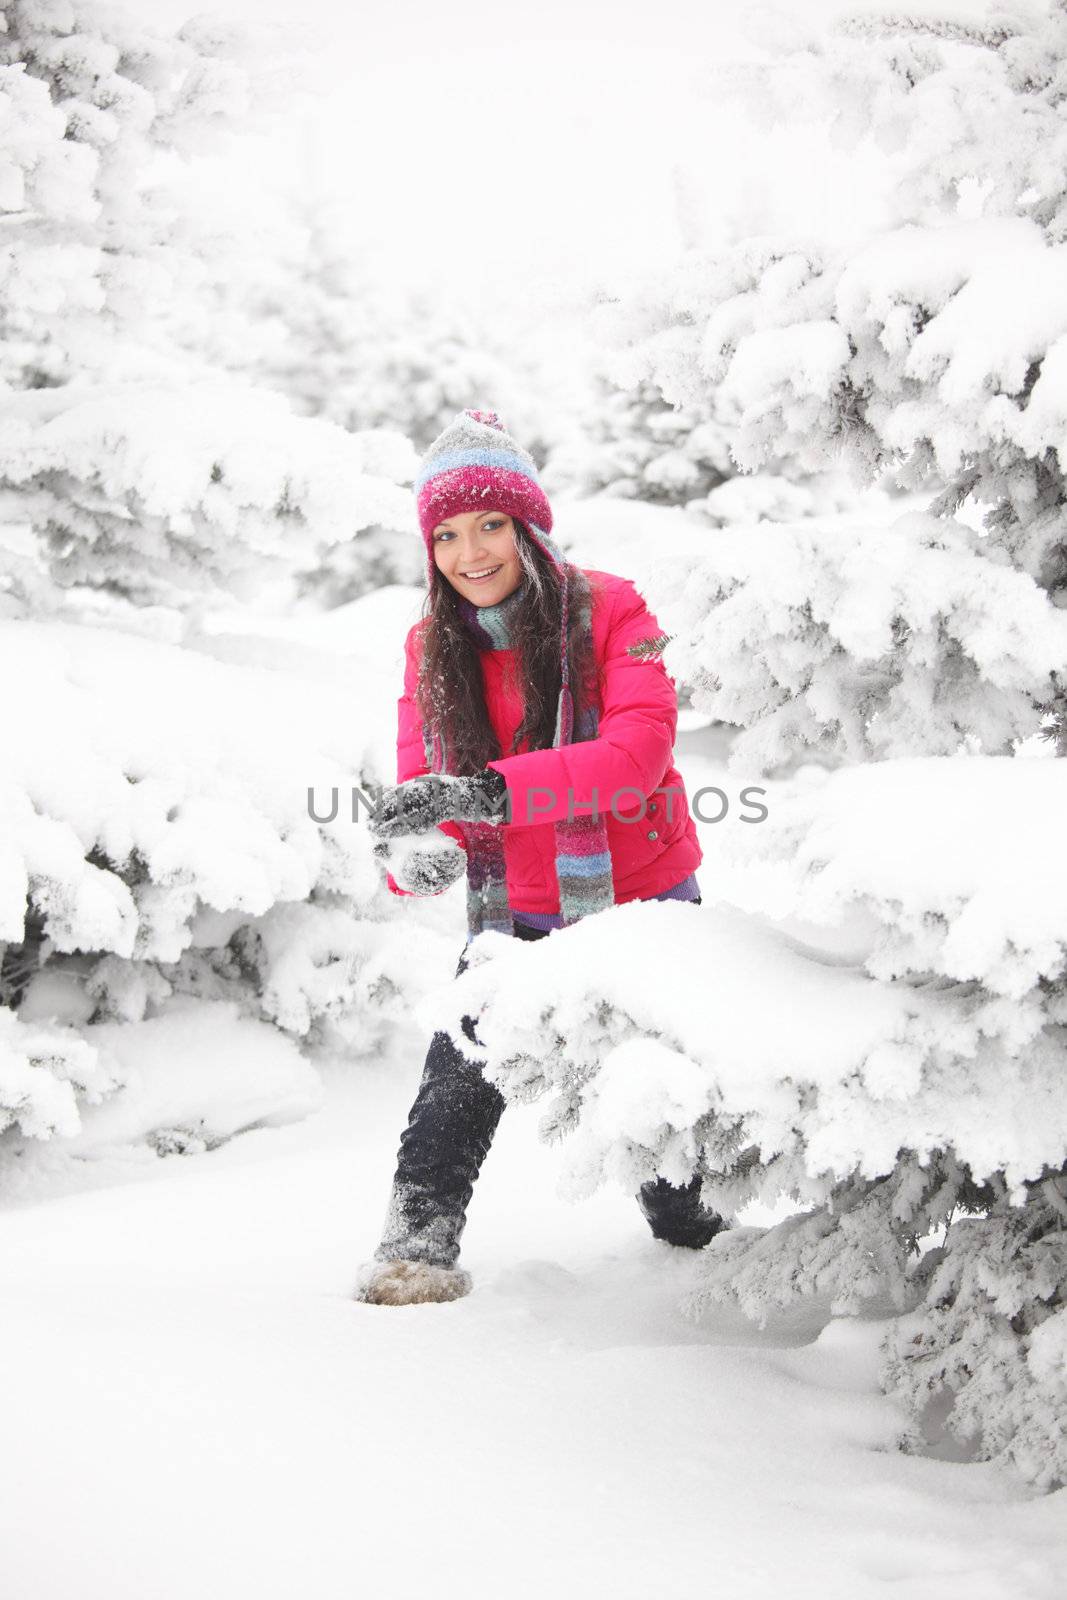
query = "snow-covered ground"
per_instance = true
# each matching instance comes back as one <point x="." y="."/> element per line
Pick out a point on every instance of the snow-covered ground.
<point x="195" y="1406"/>
<point x="196" y="1400"/>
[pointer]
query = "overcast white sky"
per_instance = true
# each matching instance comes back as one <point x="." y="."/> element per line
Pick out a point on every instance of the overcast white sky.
<point x="476" y="143"/>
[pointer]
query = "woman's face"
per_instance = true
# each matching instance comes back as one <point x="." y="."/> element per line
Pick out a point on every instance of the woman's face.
<point x="477" y="542"/>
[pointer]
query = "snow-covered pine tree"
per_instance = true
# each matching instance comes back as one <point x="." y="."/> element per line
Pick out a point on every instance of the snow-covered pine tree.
<point x="367" y="354"/>
<point x="373" y="355"/>
<point x="101" y="113"/>
<point x="914" y="355"/>
<point x="902" y="357"/>
<point x="629" y="442"/>
<point x="903" y="906"/>
<point x="348" y="344"/>
<point x="640" y="434"/>
<point x="156" y="844"/>
<point x="635" y="446"/>
<point x="117" y="471"/>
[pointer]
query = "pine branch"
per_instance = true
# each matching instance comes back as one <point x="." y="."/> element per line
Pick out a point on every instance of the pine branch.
<point x="951" y="498"/>
<point x="648" y="649"/>
<point x="990" y="38"/>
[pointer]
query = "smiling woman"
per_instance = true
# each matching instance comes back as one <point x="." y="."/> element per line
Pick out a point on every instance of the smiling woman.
<point x="531" y="707"/>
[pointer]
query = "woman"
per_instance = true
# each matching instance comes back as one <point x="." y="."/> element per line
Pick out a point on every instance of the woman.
<point x="535" y="730"/>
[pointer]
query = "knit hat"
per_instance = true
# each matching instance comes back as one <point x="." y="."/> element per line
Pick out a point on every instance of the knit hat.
<point x="475" y="465"/>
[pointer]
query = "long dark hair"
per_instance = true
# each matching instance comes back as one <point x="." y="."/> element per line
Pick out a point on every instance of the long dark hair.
<point x="449" y="694"/>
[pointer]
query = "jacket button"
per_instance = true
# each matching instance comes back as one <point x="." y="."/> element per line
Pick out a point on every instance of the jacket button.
<point x="652" y="809"/>
<point x="652" y="834"/>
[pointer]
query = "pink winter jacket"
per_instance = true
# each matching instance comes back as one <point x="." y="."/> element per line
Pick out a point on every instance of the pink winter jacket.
<point x="629" y="763"/>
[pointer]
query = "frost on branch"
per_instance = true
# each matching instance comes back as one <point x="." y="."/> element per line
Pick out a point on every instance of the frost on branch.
<point x="859" y="642"/>
<point x="160" y="493"/>
<point x="101" y="114"/>
<point x="911" y="358"/>
<point x="992" y="1333"/>
<point x="45" y="1071"/>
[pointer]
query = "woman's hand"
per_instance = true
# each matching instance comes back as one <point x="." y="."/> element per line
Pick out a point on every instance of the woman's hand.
<point x="421" y="866"/>
<point x="421" y="803"/>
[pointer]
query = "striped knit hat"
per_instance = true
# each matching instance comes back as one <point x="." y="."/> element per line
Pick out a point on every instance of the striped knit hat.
<point x="475" y="465"/>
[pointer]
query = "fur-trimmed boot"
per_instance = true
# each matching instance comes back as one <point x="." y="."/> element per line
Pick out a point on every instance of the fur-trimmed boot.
<point x="450" y="1128"/>
<point x="410" y="1283"/>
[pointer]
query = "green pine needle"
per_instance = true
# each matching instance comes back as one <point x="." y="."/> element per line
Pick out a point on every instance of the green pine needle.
<point x="648" y="649"/>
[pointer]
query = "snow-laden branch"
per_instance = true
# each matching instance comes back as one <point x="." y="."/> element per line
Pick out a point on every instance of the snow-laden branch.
<point x="859" y="642"/>
<point x="160" y="492"/>
<point x="905" y="1066"/>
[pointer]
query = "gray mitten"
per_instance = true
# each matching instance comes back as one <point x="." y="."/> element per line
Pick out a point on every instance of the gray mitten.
<point x="422" y="865"/>
<point x="420" y="804"/>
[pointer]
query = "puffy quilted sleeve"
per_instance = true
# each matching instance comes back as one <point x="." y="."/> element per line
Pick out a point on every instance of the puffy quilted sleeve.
<point x="410" y="753"/>
<point x="635" y="741"/>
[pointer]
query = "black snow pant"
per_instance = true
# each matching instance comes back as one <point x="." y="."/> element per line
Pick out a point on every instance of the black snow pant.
<point x="450" y="1128"/>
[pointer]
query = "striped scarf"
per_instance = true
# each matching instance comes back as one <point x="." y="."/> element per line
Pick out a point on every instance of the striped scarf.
<point x="582" y="855"/>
